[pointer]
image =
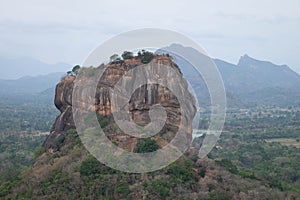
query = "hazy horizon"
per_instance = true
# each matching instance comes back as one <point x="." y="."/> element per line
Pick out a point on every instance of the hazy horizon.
<point x="55" y="31"/>
<point x="10" y="74"/>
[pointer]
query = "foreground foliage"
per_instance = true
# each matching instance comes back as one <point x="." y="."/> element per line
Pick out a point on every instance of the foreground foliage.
<point x="245" y="164"/>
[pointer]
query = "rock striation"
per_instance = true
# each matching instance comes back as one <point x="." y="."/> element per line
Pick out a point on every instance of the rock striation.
<point x="139" y="104"/>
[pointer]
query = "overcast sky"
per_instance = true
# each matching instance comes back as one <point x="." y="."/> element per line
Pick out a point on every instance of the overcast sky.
<point x="67" y="30"/>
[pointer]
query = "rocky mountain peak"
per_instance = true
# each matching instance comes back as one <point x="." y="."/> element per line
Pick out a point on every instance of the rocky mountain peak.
<point x="139" y="105"/>
<point x="246" y="60"/>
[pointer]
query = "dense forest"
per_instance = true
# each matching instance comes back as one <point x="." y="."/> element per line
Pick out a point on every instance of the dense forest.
<point x="259" y="145"/>
<point x="25" y="121"/>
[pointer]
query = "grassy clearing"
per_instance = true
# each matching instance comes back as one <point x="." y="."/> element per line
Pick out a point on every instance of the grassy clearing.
<point x="286" y="141"/>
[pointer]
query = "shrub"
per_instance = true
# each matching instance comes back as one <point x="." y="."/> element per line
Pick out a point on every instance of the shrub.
<point x="5" y="188"/>
<point x="202" y="172"/>
<point x="74" y="71"/>
<point x="90" y="166"/>
<point x="160" y="187"/>
<point x="180" y="173"/>
<point x="90" y="120"/>
<point x="146" y="145"/>
<point x="146" y="56"/>
<point x="127" y="55"/>
<point x="122" y="188"/>
<point x="189" y="164"/>
<point x="228" y="165"/>
<point x="58" y="141"/>
<point x="219" y="178"/>
<point x="38" y="151"/>
<point x="57" y="178"/>
<point x="114" y="57"/>
<point x="72" y="132"/>
<point x="102" y="120"/>
<point x="246" y="174"/>
<point x="211" y="187"/>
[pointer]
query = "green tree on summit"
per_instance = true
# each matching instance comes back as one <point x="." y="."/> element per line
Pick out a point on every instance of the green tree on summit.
<point x="114" y="57"/>
<point x="76" y="69"/>
<point x="146" y="56"/>
<point x="127" y="55"/>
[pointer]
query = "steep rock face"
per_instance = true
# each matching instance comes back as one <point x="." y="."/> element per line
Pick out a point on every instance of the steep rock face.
<point x="63" y="102"/>
<point x="139" y="105"/>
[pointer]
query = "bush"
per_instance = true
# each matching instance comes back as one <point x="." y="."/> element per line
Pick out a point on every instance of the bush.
<point x="211" y="187"/>
<point x="246" y="174"/>
<point x="202" y="172"/>
<point x="5" y="188"/>
<point x="114" y="57"/>
<point x="127" y="55"/>
<point x="91" y="122"/>
<point x="146" y="56"/>
<point x="160" y="187"/>
<point x="122" y="188"/>
<point x="103" y="122"/>
<point x="90" y="166"/>
<point x="58" y="141"/>
<point x="57" y="178"/>
<point x="74" y="71"/>
<point x="72" y="132"/>
<point x="219" y="178"/>
<point x="38" y="151"/>
<point x="146" y="145"/>
<point x="180" y="173"/>
<point x="228" y="165"/>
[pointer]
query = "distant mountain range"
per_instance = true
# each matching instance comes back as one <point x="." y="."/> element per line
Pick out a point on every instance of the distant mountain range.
<point x="249" y="83"/>
<point x="30" y="85"/>
<point x="257" y="82"/>
<point x="19" y="67"/>
<point x="28" y="76"/>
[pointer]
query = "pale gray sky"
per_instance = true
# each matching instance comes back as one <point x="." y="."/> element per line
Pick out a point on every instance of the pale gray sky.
<point x="67" y="30"/>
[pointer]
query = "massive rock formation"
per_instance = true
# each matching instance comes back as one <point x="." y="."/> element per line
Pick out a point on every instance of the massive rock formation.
<point x="66" y="170"/>
<point x="139" y="105"/>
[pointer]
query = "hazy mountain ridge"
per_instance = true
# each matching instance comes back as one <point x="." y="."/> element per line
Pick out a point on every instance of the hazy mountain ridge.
<point x="260" y="82"/>
<point x="29" y="84"/>
<point x="29" y="76"/>
<point x="257" y="74"/>
<point x="15" y="68"/>
<point x="250" y="82"/>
